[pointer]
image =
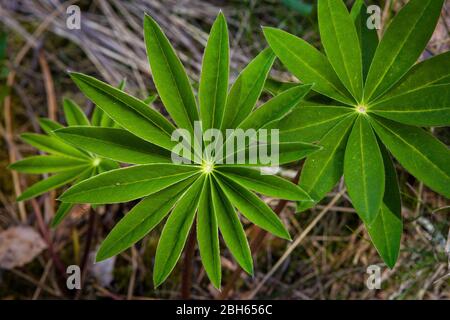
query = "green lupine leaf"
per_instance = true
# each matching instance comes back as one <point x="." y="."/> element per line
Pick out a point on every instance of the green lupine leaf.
<point x="268" y="185"/>
<point x="323" y="169"/>
<point x="275" y="87"/>
<point x="50" y="183"/>
<point x="107" y="165"/>
<point x="106" y="121"/>
<point x="386" y="230"/>
<point x="276" y="108"/>
<point x="74" y="115"/>
<point x="386" y="233"/>
<point x="208" y="235"/>
<point x="144" y="216"/>
<point x="287" y="152"/>
<point x="231" y="229"/>
<point x="102" y="119"/>
<point x="253" y="208"/>
<point x="115" y="144"/>
<point x="175" y="232"/>
<point x="310" y="123"/>
<point x="52" y="145"/>
<point x="247" y="89"/>
<point x="46" y="164"/>
<point x="392" y="198"/>
<point x="127" y="184"/>
<point x="364" y="171"/>
<point x="212" y="93"/>
<point x="89" y="172"/>
<point x="150" y="99"/>
<point x="418" y="151"/>
<point x="129" y="112"/>
<point x="340" y="40"/>
<point x="307" y="64"/>
<point x="169" y="76"/>
<point x="402" y="44"/>
<point x="368" y="37"/>
<point x="96" y="118"/>
<point x="63" y="210"/>
<point x="428" y="106"/>
<point x="423" y="74"/>
<point x="48" y="125"/>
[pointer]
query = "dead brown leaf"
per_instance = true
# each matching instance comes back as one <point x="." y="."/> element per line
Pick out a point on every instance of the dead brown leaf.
<point x="19" y="246"/>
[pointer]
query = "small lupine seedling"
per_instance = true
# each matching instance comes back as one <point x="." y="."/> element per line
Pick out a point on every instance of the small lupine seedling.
<point x="381" y="102"/>
<point x="206" y="190"/>
<point x="67" y="163"/>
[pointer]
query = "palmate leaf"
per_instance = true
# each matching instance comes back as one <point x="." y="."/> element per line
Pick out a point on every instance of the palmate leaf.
<point x="48" y="125"/>
<point x="340" y="40"/>
<point x="147" y="214"/>
<point x="213" y="88"/>
<point x="419" y="152"/>
<point x="176" y="231"/>
<point x="289" y="151"/>
<point x="426" y="73"/>
<point x="310" y="123"/>
<point x="307" y="64"/>
<point x="267" y="185"/>
<point x="393" y="90"/>
<point x="47" y="164"/>
<point x="116" y="144"/>
<point x="52" y="145"/>
<point x="50" y="183"/>
<point x="127" y="184"/>
<point x="169" y="76"/>
<point x="364" y="171"/>
<point x="266" y="115"/>
<point x="63" y="210"/>
<point x="74" y="115"/>
<point x="368" y="38"/>
<point x="206" y="191"/>
<point x="100" y="118"/>
<point x="252" y="207"/>
<point x="275" y="87"/>
<point x="323" y="169"/>
<point x="68" y="163"/>
<point x="129" y="112"/>
<point x="208" y="235"/>
<point x="231" y="228"/>
<point x="427" y="106"/>
<point x="386" y="230"/>
<point x="247" y="88"/>
<point x="276" y="108"/>
<point x="402" y="44"/>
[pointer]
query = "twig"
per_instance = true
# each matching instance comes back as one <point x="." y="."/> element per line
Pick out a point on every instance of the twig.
<point x="35" y="282"/>
<point x="52" y="110"/>
<point x="47" y="268"/>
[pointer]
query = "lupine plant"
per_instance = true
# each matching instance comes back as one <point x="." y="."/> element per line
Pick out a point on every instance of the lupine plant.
<point x="206" y="190"/>
<point x="380" y="101"/>
<point x="67" y="163"/>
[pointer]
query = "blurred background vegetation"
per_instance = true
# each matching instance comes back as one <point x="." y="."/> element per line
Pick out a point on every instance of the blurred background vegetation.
<point x="329" y="256"/>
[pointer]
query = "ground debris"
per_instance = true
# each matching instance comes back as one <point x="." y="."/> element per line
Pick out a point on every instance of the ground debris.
<point x="19" y="246"/>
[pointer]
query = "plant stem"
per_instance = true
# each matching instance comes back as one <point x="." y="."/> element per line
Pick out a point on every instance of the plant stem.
<point x="61" y="270"/>
<point x="87" y="249"/>
<point x="186" y="277"/>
